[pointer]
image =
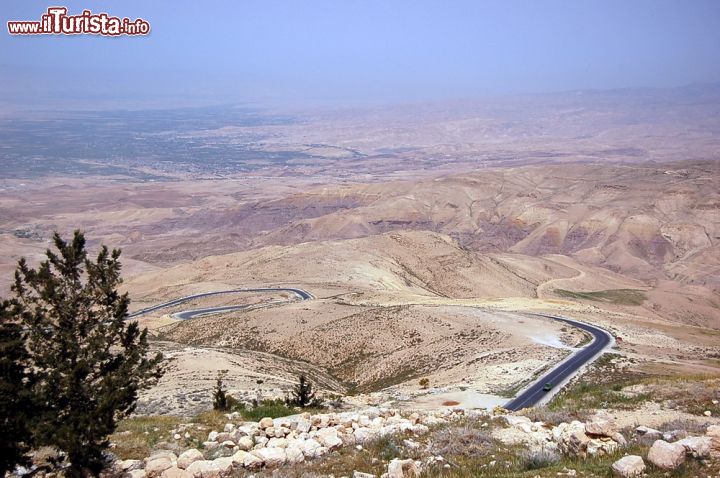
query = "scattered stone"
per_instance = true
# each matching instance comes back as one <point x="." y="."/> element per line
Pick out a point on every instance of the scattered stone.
<point x="328" y="437"/>
<point x="303" y="426"/>
<point x="160" y="454"/>
<point x="175" y="472"/>
<point x="294" y="439"/>
<point x="155" y="466"/>
<point x="697" y="447"/>
<point x="295" y="454"/>
<point x="411" y="444"/>
<point x="602" y="424"/>
<point x="266" y="422"/>
<point x="188" y="457"/>
<point x="196" y="468"/>
<point x="250" y="461"/>
<point x="515" y="421"/>
<point x="402" y="469"/>
<point x="360" y="474"/>
<point x="223" y="465"/>
<point x="667" y="456"/>
<point x="245" y="443"/>
<point x="619" y="439"/>
<point x="629" y="466"/>
<point x="210" y="445"/>
<point x="277" y="443"/>
<point x="271" y="456"/>
<point x="130" y="465"/>
<point x="313" y="449"/>
<point x="648" y="432"/>
<point x="571" y="438"/>
<point x="601" y="446"/>
<point x="674" y="435"/>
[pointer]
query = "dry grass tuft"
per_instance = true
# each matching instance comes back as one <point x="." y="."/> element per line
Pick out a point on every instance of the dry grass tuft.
<point x="460" y="441"/>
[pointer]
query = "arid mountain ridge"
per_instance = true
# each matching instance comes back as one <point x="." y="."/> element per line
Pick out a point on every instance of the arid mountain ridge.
<point x="647" y="221"/>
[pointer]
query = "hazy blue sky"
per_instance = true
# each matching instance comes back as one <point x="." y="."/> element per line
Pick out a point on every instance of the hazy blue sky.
<point x="366" y="50"/>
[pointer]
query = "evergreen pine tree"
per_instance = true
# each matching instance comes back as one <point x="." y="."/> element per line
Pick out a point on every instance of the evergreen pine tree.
<point x="89" y="362"/>
<point x="302" y="394"/>
<point x="15" y="382"/>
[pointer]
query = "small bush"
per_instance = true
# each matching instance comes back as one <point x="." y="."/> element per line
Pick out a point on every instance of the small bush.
<point x="233" y="404"/>
<point x="461" y="441"/>
<point x="335" y="401"/>
<point x="135" y="437"/>
<point x="387" y="447"/>
<point x="555" y="417"/>
<point x="691" y="426"/>
<point x="537" y="459"/>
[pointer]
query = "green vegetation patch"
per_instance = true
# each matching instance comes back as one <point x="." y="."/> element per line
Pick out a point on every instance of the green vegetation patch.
<point x="596" y="396"/>
<point x="135" y="437"/>
<point x="266" y="408"/>
<point x="611" y="296"/>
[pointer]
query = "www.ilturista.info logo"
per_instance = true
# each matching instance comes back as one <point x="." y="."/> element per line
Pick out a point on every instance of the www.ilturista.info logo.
<point x="57" y="22"/>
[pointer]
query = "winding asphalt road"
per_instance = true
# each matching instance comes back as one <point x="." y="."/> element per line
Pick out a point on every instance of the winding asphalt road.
<point x="531" y="396"/>
<point x="535" y="394"/>
<point x="189" y="314"/>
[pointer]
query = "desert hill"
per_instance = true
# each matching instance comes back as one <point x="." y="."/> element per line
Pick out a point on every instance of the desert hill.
<point x="647" y="221"/>
<point x="354" y="331"/>
<point x="402" y="263"/>
<point x="644" y="221"/>
<point x="655" y="226"/>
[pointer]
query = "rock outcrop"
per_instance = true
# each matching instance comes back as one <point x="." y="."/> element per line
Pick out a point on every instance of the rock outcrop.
<point x="276" y="442"/>
<point x="273" y="443"/>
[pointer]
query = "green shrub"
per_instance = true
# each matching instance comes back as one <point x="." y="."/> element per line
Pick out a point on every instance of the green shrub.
<point x="266" y="408"/>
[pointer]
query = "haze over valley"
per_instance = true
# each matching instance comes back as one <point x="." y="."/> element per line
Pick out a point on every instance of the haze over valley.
<point x="569" y="202"/>
<point x="362" y="239"/>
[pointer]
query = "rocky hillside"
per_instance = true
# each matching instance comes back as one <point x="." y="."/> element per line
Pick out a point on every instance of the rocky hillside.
<point x="390" y="444"/>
